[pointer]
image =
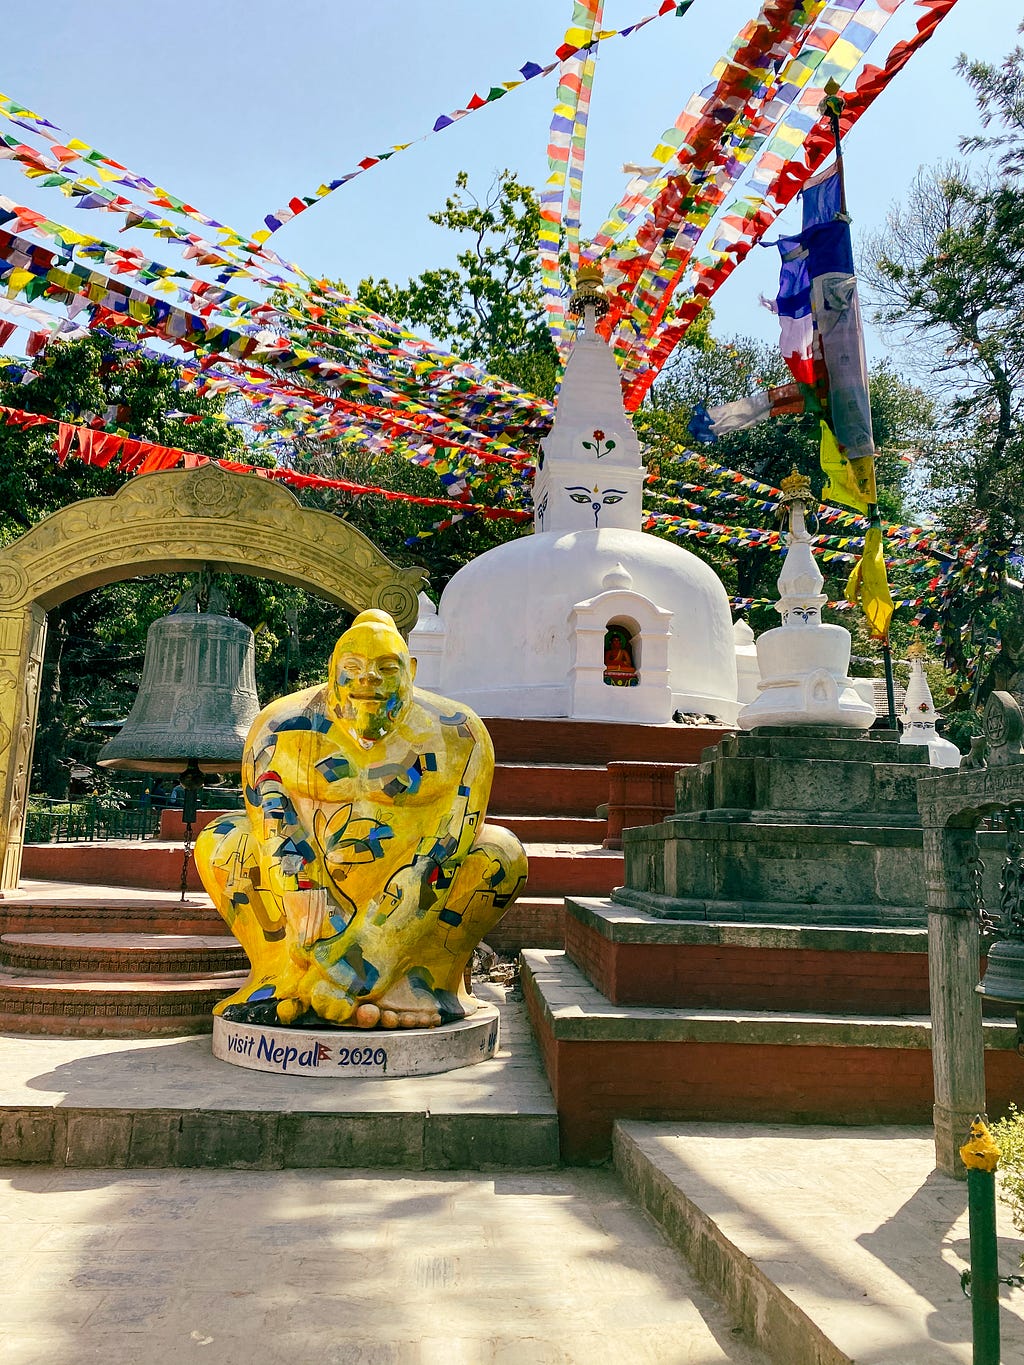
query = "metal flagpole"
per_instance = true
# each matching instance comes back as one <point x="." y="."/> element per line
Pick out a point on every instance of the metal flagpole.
<point x="832" y="106"/>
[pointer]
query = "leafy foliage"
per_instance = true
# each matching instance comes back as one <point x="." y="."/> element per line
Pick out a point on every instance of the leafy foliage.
<point x="489" y="305"/>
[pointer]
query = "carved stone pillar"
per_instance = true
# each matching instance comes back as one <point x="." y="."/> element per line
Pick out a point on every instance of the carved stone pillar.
<point x="958" y="1048"/>
<point x="22" y="639"/>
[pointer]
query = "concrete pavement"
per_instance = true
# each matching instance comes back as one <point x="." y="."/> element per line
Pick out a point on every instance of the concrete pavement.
<point x="829" y="1245"/>
<point x="342" y="1267"/>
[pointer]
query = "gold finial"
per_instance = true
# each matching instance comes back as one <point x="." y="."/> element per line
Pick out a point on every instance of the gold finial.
<point x="980" y="1152"/>
<point x="589" y="290"/>
<point x="796" y="487"/>
<point x="917" y="651"/>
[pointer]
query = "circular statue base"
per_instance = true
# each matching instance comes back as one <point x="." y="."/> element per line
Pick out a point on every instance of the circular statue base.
<point x="355" y="1052"/>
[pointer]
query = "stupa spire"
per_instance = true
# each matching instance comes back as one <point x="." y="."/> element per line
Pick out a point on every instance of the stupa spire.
<point x="918" y="717"/>
<point x="590" y="474"/>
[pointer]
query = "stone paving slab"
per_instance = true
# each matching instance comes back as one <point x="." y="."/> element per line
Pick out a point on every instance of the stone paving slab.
<point x="829" y="1245"/>
<point x="169" y="1101"/>
<point x="352" y="1268"/>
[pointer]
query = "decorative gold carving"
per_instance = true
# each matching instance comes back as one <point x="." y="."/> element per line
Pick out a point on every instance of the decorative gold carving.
<point x="212" y="492"/>
<point x="796" y="487"/>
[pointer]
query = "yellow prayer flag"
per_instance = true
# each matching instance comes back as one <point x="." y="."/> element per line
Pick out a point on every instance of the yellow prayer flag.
<point x="869" y="585"/>
<point x="863" y="470"/>
<point x="841" y="485"/>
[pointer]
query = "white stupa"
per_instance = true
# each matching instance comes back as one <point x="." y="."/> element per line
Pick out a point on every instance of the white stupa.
<point x="917" y="716"/>
<point x="804" y="664"/>
<point x="523" y="629"/>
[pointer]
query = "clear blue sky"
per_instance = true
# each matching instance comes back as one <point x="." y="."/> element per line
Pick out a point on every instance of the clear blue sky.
<point x="237" y="105"/>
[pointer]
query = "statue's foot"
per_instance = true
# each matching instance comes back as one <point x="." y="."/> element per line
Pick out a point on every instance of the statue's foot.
<point x="410" y="1003"/>
<point x="266" y="1012"/>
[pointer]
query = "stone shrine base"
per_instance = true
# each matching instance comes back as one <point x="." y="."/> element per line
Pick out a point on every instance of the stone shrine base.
<point x="344" y="1053"/>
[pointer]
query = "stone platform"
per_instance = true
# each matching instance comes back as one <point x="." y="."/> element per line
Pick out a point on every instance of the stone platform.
<point x="170" y="1102"/>
<point x="606" y="1061"/>
<point x="800" y="825"/>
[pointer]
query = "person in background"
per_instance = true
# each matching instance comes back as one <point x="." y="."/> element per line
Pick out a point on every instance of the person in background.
<point x="156" y="795"/>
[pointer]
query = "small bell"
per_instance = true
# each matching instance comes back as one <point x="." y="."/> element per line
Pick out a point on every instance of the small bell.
<point x="196" y="701"/>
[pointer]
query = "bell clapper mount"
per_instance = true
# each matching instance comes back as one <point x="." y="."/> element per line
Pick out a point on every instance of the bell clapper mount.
<point x="192" y="780"/>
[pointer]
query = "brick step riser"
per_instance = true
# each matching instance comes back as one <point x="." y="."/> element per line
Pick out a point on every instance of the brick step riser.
<point x="858" y="1074"/>
<point x="123" y="961"/>
<point x="551" y="829"/>
<point x="65" y="919"/>
<point x="803" y="981"/>
<point x="523" y="790"/>
<point x="149" y="867"/>
<point x="530" y="924"/>
<point x="551" y="876"/>
<point x="580" y="741"/>
<point x="118" y="1023"/>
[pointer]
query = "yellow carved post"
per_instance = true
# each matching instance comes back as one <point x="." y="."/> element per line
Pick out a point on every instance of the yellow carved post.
<point x="22" y="638"/>
<point x="980" y="1154"/>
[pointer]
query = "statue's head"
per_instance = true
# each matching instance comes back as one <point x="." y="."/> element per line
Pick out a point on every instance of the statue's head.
<point x="371" y="683"/>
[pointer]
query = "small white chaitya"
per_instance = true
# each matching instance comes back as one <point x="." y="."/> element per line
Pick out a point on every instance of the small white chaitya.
<point x="804" y="664"/>
<point x="748" y="675"/>
<point x="589" y="617"/>
<point x="918" y="716"/>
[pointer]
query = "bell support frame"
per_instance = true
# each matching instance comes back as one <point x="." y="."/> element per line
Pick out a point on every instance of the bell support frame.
<point x="951" y="808"/>
<point x="166" y="522"/>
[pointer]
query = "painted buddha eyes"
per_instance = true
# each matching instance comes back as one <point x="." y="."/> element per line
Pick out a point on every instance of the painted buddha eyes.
<point x="597" y="498"/>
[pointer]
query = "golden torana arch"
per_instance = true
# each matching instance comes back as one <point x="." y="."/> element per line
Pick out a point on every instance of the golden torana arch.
<point x="157" y="523"/>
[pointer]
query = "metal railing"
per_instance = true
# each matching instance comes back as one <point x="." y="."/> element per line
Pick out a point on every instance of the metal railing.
<point x="88" y="821"/>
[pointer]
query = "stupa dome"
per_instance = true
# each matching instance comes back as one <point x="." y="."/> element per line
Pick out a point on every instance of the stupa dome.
<point x="508" y="647"/>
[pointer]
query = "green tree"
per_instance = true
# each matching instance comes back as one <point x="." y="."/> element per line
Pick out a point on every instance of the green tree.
<point x="489" y="305"/>
<point x="948" y="280"/>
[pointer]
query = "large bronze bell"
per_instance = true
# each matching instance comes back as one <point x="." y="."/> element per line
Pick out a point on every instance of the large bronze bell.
<point x="1004" y="978"/>
<point x="196" y="701"/>
<point x="1004" y="973"/>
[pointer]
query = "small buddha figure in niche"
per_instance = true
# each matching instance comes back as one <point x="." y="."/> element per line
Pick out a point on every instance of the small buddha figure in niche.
<point x="361" y="874"/>
<point x="619" y="669"/>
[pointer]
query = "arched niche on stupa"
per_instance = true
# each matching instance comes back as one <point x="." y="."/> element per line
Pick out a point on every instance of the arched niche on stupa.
<point x="167" y="522"/>
<point x="649" y="702"/>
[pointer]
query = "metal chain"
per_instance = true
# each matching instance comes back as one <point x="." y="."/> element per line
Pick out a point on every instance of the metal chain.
<point x="186" y="855"/>
<point x="1014" y="1281"/>
<point x="974" y="868"/>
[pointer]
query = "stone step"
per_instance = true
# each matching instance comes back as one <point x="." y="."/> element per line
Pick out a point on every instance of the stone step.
<point x="122" y="954"/>
<point x="549" y="789"/>
<point x="778" y="912"/>
<point x="73" y="1006"/>
<point x="555" y="868"/>
<point x="550" y="829"/>
<point x="155" y="1102"/>
<point x="607" y="1061"/>
<point x="635" y="959"/>
<point x="572" y="869"/>
<point x="90" y="910"/>
<point x="530" y="922"/>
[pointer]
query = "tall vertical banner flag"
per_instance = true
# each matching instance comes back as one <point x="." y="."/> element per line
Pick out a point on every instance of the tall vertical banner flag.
<point x="836" y="310"/>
